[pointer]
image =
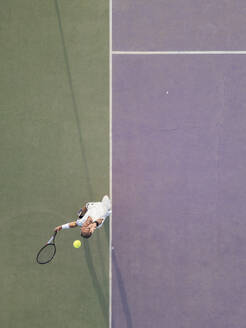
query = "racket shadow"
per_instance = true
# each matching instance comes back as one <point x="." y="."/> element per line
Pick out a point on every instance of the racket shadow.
<point x="74" y="102"/>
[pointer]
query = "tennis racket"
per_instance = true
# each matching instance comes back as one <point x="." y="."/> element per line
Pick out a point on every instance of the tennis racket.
<point x="48" y="251"/>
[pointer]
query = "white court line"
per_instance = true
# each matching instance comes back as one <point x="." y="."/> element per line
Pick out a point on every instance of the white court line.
<point x="110" y="161"/>
<point x="216" y="52"/>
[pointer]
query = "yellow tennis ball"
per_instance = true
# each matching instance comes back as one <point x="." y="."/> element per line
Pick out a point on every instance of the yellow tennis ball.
<point x="77" y="244"/>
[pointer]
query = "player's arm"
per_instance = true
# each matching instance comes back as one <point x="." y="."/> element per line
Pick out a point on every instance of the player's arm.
<point x="69" y="225"/>
<point x="99" y="221"/>
<point x="96" y="224"/>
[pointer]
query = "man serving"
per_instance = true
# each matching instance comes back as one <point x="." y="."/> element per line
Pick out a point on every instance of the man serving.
<point x="90" y="217"/>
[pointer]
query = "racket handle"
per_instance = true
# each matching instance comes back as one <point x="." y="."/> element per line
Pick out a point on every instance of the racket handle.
<point x="52" y="238"/>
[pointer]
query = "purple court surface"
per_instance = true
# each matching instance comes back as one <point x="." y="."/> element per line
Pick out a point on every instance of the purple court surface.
<point x="141" y="25"/>
<point x="179" y="171"/>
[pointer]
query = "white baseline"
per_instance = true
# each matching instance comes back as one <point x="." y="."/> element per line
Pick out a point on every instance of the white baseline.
<point x="189" y="52"/>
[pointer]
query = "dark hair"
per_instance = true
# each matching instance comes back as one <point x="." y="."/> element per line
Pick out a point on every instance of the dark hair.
<point x="85" y="234"/>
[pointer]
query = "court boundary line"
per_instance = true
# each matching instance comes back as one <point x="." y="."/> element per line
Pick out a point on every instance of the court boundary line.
<point x="110" y="162"/>
<point x="188" y="52"/>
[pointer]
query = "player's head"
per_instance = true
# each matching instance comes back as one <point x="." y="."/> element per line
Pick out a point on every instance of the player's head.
<point x="86" y="233"/>
<point x="86" y="229"/>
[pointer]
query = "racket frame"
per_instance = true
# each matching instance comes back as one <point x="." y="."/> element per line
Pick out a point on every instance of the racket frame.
<point x="51" y="241"/>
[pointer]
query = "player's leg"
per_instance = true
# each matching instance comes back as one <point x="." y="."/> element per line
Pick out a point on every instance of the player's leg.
<point x="106" y="202"/>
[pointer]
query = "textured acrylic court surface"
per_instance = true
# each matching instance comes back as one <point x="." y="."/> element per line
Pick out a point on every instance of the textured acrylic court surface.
<point x="53" y="158"/>
<point x="179" y="25"/>
<point x="179" y="186"/>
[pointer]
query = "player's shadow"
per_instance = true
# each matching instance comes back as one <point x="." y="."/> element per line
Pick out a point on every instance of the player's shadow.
<point x="74" y="102"/>
<point x="122" y="292"/>
<point x="96" y="284"/>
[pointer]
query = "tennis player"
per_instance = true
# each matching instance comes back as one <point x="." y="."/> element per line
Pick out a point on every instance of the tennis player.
<point x="90" y="217"/>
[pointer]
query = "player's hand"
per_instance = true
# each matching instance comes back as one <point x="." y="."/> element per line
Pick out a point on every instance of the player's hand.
<point x="58" y="228"/>
<point x="100" y="221"/>
<point x="93" y="227"/>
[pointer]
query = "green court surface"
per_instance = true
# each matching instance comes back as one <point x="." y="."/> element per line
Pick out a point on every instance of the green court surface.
<point x="54" y="136"/>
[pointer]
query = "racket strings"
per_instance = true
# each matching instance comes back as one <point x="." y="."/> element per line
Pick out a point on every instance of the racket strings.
<point x="46" y="254"/>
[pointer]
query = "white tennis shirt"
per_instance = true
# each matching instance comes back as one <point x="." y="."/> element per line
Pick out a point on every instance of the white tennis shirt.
<point x="97" y="210"/>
